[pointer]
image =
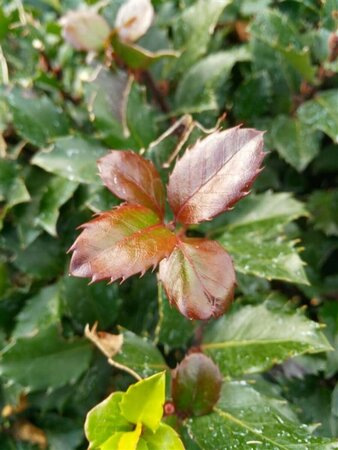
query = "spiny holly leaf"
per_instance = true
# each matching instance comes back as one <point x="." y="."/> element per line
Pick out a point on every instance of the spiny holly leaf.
<point x="196" y="385"/>
<point x="120" y="243"/>
<point x="215" y="173"/>
<point x="254" y="338"/>
<point x="199" y="278"/>
<point x="246" y="419"/>
<point x="133" y="19"/>
<point x="133" y="178"/>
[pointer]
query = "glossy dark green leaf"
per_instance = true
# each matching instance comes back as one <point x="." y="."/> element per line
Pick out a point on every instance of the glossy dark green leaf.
<point x="321" y="113"/>
<point x="197" y="90"/>
<point x="278" y="33"/>
<point x="37" y="119"/>
<point x="244" y="418"/>
<point x="29" y="360"/>
<point x="12" y="186"/>
<point x="192" y="31"/>
<point x="323" y="206"/>
<point x="140" y="354"/>
<point x="72" y="157"/>
<point x="294" y="141"/>
<point x="254" y="338"/>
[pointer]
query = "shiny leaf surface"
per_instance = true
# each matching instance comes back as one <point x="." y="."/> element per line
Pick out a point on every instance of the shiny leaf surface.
<point x="196" y="385"/>
<point x="214" y="174"/>
<point x="143" y="402"/>
<point x="133" y="178"/>
<point x="120" y="243"/>
<point x="254" y="338"/>
<point x="199" y="278"/>
<point x="246" y="419"/>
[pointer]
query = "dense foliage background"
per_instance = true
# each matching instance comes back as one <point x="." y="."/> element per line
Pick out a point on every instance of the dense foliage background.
<point x="267" y="64"/>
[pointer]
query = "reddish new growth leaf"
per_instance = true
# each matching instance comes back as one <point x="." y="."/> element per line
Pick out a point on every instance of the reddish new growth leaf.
<point x="196" y="385"/>
<point x="133" y="178"/>
<point x="214" y="174"/>
<point x="197" y="274"/>
<point x="120" y="243"/>
<point x="199" y="278"/>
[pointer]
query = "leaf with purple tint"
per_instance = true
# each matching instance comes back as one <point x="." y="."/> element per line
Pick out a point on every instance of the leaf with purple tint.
<point x="119" y="243"/>
<point x="215" y="173"/>
<point x="199" y="278"/>
<point x="196" y="385"/>
<point x="134" y="179"/>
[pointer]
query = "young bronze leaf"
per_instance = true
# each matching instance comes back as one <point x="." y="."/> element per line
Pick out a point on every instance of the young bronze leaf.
<point x="199" y="278"/>
<point x="131" y="177"/>
<point x="120" y="243"/>
<point x="196" y="385"/>
<point x="215" y="173"/>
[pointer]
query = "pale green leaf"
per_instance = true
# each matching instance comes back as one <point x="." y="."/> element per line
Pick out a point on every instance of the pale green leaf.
<point x="72" y="157"/>
<point x="143" y="402"/>
<point x="164" y="437"/>
<point x="105" y="419"/>
<point x="254" y="338"/>
<point x="246" y="419"/>
<point x="294" y="141"/>
<point x="321" y="113"/>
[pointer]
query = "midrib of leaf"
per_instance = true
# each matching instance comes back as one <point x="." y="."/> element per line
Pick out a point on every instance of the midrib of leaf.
<point x="196" y="271"/>
<point x="211" y="176"/>
<point x="246" y="343"/>
<point x="247" y="427"/>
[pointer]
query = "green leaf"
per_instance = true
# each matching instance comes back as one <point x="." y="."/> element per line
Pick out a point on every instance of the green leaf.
<point x="321" y="113"/>
<point x="197" y="90"/>
<point x="137" y="57"/>
<point x="323" y="206"/>
<point x="143" y="402"/>
<point x="45" y="361"/>
<point x="192" y="31"/>
<point x="269" y="211"/>
<point x="173" y="329"/>
<point x="254" y="338"/>
<point x="12" y="186"/>
<point x="105" y="419"/>
<point x="89" y="304"/>
<point x="254" y="239"/>
<point x="276" y="32"/>
<point x="43" y="259"/>
<point x="107" y="97"/>
<point x="294" y="141"/>
<point x="37" y="119"/>
<point x="56" y="193"/>
<point x="246" y="419"/>
<point x="72" y="157"/>
<point x="164" y="437"/>
<point x="265" y="256"/>
<point x="39" y="312"/>
<point x="140" y="354"/>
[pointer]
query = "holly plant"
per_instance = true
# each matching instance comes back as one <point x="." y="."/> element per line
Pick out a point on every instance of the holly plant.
<point x="197" y="273"/>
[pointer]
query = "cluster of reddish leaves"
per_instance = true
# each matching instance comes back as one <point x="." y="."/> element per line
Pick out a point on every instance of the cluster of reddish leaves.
<point x="197" y="273"/>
